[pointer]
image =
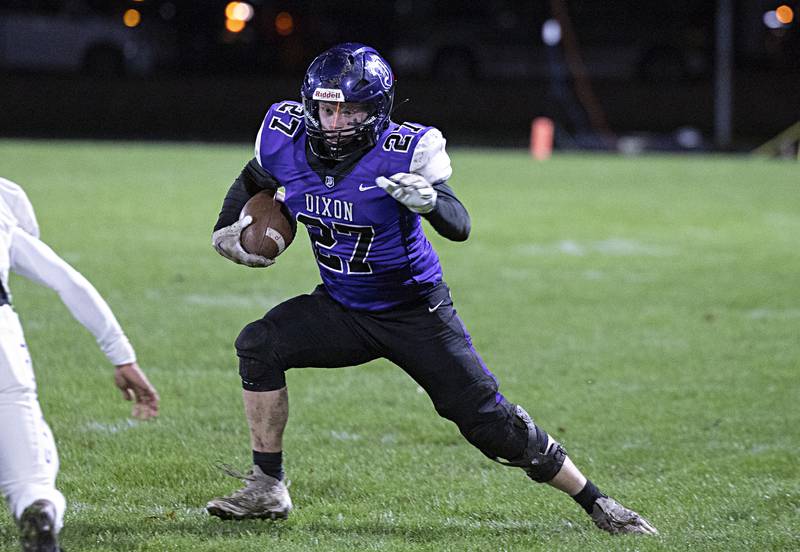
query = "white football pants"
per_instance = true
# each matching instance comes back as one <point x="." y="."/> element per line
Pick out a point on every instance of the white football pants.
<point x="28" y="457"/>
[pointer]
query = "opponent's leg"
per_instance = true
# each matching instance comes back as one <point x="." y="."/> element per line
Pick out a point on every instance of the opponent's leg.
<point x="309" y="330"/>
<point x="28" y="456"/>
<point x="28" y="469"/>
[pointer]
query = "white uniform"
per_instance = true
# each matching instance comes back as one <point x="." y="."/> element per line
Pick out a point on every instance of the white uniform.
<point x="28" y="457"/>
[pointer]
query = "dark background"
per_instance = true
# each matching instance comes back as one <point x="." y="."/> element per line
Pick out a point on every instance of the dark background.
<point x="478" y="70"/>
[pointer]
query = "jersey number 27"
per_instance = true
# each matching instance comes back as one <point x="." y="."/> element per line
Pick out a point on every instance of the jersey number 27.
<point x="323" y="239"/>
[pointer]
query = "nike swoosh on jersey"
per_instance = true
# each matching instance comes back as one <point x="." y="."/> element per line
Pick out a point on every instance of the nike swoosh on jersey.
<point x="362" y="188"/>
<point x="436" y="306"/>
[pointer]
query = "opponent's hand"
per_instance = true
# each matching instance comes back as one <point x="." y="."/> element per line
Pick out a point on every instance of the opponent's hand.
<point x="227" y="242"/>
<point x="134" y="385"/>
<point x="412" y="190"/>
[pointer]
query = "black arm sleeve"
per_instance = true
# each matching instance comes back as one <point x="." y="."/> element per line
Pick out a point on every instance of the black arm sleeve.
<point x="253" y="179"/>
<point x="449" y="218"/>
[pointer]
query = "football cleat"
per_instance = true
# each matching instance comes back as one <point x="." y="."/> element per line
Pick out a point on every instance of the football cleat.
<point x="37" y="528"/>
<point x="609" y="515"/>
<point x="263" y="497"/>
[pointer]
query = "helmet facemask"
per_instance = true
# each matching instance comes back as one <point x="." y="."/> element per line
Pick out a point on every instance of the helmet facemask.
<point x="343" y="141"/>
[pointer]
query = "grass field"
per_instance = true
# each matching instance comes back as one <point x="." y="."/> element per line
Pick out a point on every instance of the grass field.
<point x="645" y="310"/>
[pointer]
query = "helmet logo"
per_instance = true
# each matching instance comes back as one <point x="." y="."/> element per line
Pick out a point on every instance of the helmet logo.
<point x="328" y="95"/>
<point x="376" y="67"/>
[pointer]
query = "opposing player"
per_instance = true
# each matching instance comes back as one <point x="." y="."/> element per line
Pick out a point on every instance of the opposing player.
<point x="362" y="184"/>
<point x="28" y="457"/>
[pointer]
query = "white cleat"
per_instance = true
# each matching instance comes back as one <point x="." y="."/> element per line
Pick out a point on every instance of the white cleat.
<point x="263" y="497"/>
<point x="609" y="515"/>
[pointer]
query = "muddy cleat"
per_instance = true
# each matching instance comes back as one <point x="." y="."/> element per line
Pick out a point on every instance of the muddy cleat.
<point x="609" y="515"/>
<point x="37" y="528"/>
<point x="263" y="497"/>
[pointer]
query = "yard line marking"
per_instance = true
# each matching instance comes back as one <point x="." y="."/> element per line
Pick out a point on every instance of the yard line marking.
<point x="611" y="246"/>
<point x="345" y="436"/>
<point x="101" y="427"/>
<point x="228" y="300"/>
<point x="775" y="314"/>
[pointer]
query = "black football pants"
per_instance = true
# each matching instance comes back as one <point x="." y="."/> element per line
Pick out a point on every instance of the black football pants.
<point x="426" y="339"/>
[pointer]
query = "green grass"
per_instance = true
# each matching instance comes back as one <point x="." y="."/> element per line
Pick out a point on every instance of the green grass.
<point x="645" y="310"/>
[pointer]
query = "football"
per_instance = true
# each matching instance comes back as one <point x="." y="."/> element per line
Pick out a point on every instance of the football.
<point x="272" y="229"/>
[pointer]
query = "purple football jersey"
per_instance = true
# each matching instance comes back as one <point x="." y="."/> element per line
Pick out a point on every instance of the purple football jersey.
<point x="371" y="250"/>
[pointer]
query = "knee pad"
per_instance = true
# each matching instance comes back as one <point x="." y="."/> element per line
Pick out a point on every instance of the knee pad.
<point x="543" y="456"/>
<point x="259" y="366"/>
<point x="254" y="339"/>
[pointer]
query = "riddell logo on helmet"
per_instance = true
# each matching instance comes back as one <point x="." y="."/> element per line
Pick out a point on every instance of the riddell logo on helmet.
<point x="328" y="95"/>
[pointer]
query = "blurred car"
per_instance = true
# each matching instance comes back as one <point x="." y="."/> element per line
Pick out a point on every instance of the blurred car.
<point x="503" y="39"/>
<point x="99" y="39"/>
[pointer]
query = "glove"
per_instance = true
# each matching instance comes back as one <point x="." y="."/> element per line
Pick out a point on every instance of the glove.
<point x="412" y="190"/>
<point x="227" y="243"/>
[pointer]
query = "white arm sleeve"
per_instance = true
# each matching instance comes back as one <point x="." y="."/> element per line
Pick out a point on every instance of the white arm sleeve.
<point x="430" y="159"/>
<point x="34" y="260"/>
<point x="16" y="199"/>
<point x="258" y="145"/>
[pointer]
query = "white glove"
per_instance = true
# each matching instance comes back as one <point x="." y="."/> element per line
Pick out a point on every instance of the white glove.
<point x="227" y="242"/>
<point x="412" y="190"/>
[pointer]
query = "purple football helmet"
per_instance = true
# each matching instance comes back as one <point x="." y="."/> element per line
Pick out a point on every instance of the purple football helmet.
<point x="348" y="72"/>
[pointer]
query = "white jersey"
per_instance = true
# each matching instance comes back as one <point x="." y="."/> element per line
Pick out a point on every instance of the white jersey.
<point x="23" y="253"/>
<point x="20" y="206"/>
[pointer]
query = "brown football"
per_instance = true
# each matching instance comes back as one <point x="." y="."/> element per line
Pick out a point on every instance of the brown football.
<point x="272" y="229"/>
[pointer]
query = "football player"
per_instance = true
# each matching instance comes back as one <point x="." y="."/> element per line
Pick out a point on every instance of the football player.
<point x="362" y="184"/>
<point x="28" y="456"/>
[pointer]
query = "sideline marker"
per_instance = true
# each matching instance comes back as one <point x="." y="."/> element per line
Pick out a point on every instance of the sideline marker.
<point x="541" y="138"/>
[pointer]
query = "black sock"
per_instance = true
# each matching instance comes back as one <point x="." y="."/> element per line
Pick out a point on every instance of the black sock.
<point x="587" y="496"/>
<point x="271" y="463"/>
